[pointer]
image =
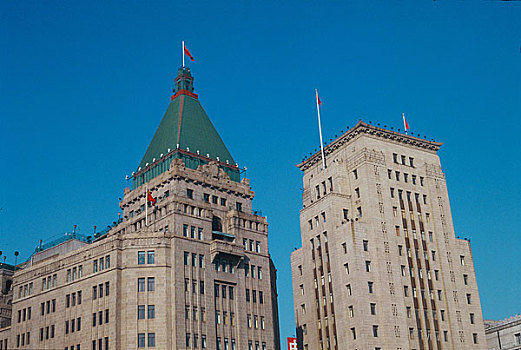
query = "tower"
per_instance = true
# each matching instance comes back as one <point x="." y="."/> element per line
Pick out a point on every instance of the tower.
<point x="380" y="266"/>
<point x="186" y="267"/>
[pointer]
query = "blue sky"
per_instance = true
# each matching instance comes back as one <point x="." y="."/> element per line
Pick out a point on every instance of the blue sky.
<point x="83" y="86"/>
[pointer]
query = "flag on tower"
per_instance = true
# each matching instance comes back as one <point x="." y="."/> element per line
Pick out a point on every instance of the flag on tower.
<point x="318" y="98"/>
<point x="187" y="52"/>
<point x="405" y="125"/>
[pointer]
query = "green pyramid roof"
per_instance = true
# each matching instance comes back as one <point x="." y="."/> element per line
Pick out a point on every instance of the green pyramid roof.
<point x="185" y="132"/>
<point x="186" y="124"/>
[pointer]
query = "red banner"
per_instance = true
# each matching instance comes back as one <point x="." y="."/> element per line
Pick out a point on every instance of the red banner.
<point x="292" y="344"/>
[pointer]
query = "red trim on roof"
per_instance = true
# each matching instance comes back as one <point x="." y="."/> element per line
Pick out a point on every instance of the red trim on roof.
<point x="180" y="119"/>
<point x="184" y="92"/>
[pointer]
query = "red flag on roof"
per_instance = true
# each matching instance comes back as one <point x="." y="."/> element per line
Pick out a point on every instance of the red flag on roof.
<point x="318" y="99"/>
<point x="405" y="125"/>
<point x="188" y="53"/>
<point x="150" y="198"/>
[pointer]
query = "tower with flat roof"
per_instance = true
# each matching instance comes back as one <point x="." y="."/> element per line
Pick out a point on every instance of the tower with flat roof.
<point x="380" y="265"/>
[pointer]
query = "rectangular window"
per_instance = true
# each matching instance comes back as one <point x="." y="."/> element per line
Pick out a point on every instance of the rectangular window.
<point x="151" y="340"/>
<point x="368" y="266"/>
<point x="373" y="308"/>
<point x="185" y="230"/>
<point x="140" y="284"/>
<point x="190" y="193"/>
<point x="141" y="312"/>
<point x="151" y="257"/>
<point x="370" y="287"/>
<point x="141" y="340"/>
<point x="95" y="265"/>
<point x="186" y="258"/>
<point x="94" y="293"/>
<point x="151" y="284"/>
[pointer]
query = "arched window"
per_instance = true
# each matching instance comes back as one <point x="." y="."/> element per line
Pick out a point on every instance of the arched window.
<point x="217" y="224"/>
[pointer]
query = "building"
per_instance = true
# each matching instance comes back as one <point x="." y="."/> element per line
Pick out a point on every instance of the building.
<point x="186" y="267"/>
<point x="6" y="301"/>
<point x="380" y="266"/>
<point x="504" y="334"/>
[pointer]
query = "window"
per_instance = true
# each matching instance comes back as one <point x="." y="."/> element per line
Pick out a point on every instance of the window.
<point x="140" y="284"/>
<point x="517" y="338"/>
<point x="206" y="197"/>
<point x="150" y="284"/>
<point x="368" y="266"/>
<point x="151" y="257"/>
<point x="462" y="260"/>
<point x="469" y="299"/>
<point x="257" y="246"/>
<point x="95" y="292"/>
<point x="238" y="206"/>
<point x="403" y="159"/>
<point x="355" y="174"/>
<point x="151" y="340"/>
<point x="357" y="191"/>
<point x="406" y="291"/>
<point x="200" y="233"/>
<point x="95" y="265"/>
<point x="366" y="245"/>
<point x="359" y="210"/>
<point x="475" y="338"/>
<point x="395" y="158"/>
<point x="370" y="287"/>
<point x="353" y="332"/>
<point x="190" y="193"/>
<point x="375" y="331"/>
<point x="373" y="308"/>
<point x="186" y="258"/>
<point x="141" y="340"/>
<point x="141" y="312"/>
<point x="346" y="214"/>
<point x="397" y="174"/>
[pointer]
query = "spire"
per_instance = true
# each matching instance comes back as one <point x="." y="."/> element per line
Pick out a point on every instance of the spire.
<point x="184" y="83"/>
<point x="185" y="132"/>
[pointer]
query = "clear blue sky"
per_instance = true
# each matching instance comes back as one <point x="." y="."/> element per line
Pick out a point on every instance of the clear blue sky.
<point x="83" y="87"/>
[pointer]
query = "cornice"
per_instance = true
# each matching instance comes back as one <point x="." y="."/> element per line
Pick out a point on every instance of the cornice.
<point x="362" y="128"/>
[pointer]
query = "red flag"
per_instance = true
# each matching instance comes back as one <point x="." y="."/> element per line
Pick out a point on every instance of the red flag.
<point x="150" y="198"/>
<point x="188" y="53"/>
<point x="405" y="125"/>
<point x="318" y="98"/>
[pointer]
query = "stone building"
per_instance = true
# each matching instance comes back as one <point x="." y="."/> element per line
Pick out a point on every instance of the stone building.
<point x="380" y="266"/>
<point x="6" y="300"/>
<point x="186" y="267"/>
<point x="504" y="334"/>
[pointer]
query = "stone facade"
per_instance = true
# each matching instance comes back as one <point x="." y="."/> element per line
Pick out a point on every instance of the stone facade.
<point x="504" y="334"/>
<point x="6" y="300"/>
<point x="380" y="266"/>
<point x="188" y="268"/>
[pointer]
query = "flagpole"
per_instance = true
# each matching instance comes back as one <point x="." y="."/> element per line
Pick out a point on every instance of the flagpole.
<point x="404" y="123"/>
<point x="320" y="132"/>
<point x="146" y="206"/>
<point x="183" y="53"/>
